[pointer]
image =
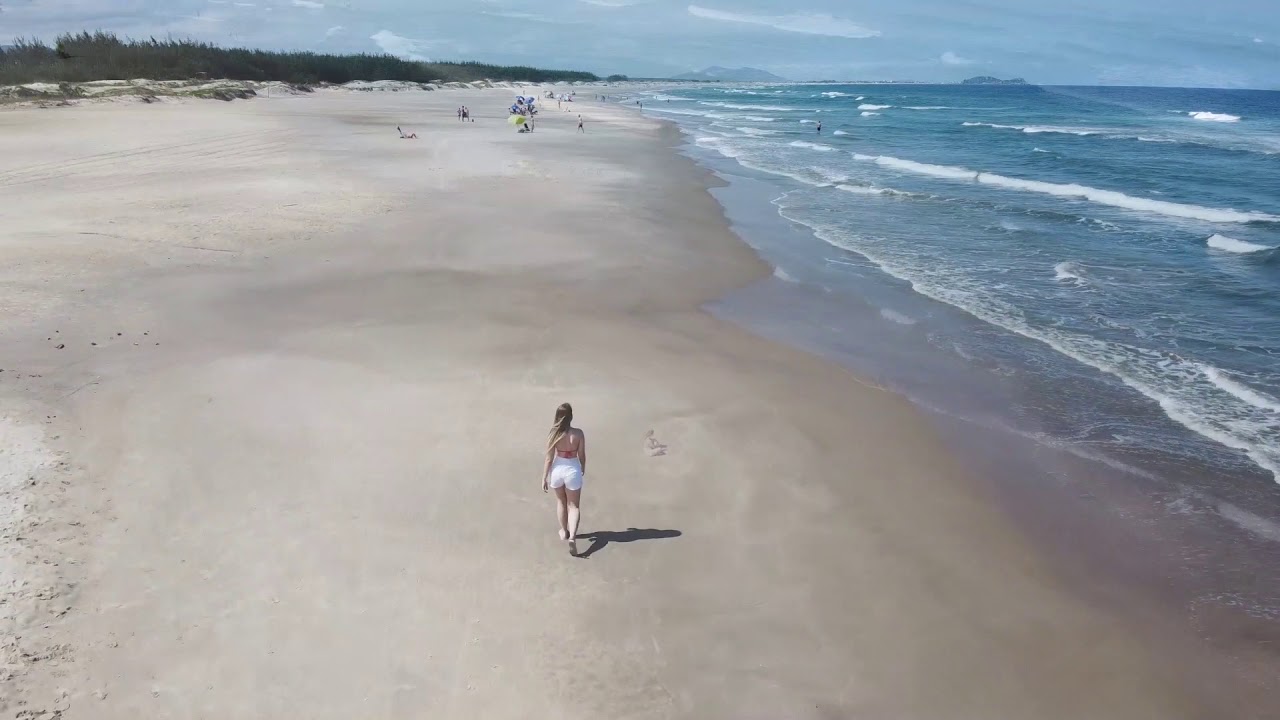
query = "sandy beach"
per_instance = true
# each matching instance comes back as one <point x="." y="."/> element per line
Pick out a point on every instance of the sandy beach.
<point x="275" y="387"/>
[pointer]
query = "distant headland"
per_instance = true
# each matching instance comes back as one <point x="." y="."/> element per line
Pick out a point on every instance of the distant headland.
<point x="723" y="74"/>
<point x="988" y="80"/>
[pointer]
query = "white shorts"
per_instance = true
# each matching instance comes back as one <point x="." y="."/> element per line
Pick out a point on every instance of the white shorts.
<point x="565" y="473"/>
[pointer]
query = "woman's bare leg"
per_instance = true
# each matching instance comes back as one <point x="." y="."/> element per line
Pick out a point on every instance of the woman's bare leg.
<point x="562" y="513"/>
<point x="575" y="514"/>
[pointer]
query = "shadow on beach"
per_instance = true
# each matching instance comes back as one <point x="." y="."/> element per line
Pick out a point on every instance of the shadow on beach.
<point x="600" y="538"/>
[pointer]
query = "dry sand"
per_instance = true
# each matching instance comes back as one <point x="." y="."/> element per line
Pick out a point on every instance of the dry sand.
<point x="274" y="389"/>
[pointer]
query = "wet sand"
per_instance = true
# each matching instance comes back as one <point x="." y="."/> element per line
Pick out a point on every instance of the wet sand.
<point x="274" y="393"/>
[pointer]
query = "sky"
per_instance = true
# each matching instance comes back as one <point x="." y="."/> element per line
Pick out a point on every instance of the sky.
<point x="1195" y="43"/>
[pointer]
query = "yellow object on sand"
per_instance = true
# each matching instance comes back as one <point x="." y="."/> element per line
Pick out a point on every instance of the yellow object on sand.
<point x="517" y="120"/>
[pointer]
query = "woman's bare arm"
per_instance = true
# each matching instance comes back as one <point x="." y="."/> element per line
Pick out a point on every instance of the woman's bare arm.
<point x="582" y="451"/>
<point x="546" y="469"/>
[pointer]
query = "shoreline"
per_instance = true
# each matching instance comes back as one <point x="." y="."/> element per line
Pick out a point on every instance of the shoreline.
<point x="1093" y="515"/>
<point x="229" y="531"/>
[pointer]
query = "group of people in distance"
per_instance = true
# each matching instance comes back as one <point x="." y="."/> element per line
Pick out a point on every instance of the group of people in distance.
<point x="526" y="110"/>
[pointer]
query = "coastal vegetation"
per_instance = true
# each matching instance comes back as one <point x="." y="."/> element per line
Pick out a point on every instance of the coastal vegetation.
<point x="86" y="57"/>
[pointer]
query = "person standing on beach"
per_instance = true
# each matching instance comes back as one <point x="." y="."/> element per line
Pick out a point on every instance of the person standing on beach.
<point x="581" y="129"/>
<point x="819" y="127"/>
<point x="563" y="470"/>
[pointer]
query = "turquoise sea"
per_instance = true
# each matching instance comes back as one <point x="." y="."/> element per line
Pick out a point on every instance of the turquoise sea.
<point x="1094" y="271"/>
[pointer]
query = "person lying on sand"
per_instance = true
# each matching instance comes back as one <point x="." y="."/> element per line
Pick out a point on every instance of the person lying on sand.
<point x="410" y="136"/>
<point x="563" y="470"/>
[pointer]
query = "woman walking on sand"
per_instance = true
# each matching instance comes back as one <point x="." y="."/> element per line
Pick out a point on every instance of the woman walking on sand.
<point x="563" y="470"/>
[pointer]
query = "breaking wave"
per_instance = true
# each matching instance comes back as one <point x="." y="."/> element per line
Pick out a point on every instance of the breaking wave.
<point x="1073" y="190"/>
<point x="1214" y="117"/>
<point x="1232" y="245"/>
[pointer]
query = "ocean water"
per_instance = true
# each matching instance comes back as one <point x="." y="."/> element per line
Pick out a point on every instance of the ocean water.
<point x="1110" y="257"/>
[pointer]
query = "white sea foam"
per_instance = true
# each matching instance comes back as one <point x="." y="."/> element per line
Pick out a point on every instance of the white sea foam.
<point x="756" y="132"/>
<point x="896" y="317"/>
<point x="873" y="190"/>
<point x="962" y="352"/>
<point x="1232" y="245"/>
<point x="1040" y="150"/>
<point x="718" y="145"/>
<point x="1073" y="190"/>
<point x="835" y="94"/>
<point x="839" y="132"/>
<point x="812" y="146"/>
<point x="1178" y="385"/>
<point x="1036" y="129"/>
<point x="943" y="171"/>
<point x="690" y="113"/>
<point x="868" y="113"/>
<point x="782" y="275"/>
<point x="1214" y="117"/>
<point x="831" y="176"/>
<point x="860" y="189"/>
<point x="1115" y="134"/>
<point x="869" y="106"/>
<point x="1256" y="144"/>
<point x="1255" y="524"/>
<point x="1120" y="200"/>
<point x="758" y="118"/>
<point x="1240" y="390"/>
<point x="1069" y="272"/>
<point x="859" y="98"/>
<point x="742" y="155"/>
<point x="736" y="106"/>
<point x="808" y="122"/>
<point x="928" y="107"/>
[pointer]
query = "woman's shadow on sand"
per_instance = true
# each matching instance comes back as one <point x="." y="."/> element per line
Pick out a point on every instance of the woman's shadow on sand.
<point x="600" y="538"/>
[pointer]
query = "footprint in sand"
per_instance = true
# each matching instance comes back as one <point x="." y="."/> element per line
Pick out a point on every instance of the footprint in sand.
<point x="652" y="446"/>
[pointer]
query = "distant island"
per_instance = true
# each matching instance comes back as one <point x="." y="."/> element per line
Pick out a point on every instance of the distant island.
<point x="988" y="80"/>
<point x="722" y="74"/>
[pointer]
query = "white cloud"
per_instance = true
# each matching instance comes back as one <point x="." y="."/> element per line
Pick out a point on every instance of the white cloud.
<point x="402" y="47"/>
<point x="1257" y="40"/>
<point x="608" y="3"/>
<point x="807" y="23"/>
<point x="245" y="4"/>
<point x="333" y="31"/>
<point x="951" y="58"/>
<point x="308" y="4"/>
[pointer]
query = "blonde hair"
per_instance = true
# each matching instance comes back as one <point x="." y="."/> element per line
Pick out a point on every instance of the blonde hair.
<point x="559" y="428"/>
